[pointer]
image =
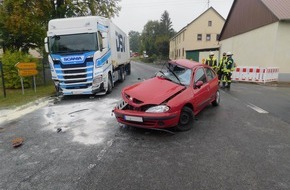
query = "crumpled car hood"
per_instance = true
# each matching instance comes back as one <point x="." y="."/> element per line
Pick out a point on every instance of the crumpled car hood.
<point x="152" y="91"/>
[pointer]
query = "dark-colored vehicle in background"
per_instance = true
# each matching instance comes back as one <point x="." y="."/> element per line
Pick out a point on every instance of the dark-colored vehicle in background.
<point x="178" y="92"/>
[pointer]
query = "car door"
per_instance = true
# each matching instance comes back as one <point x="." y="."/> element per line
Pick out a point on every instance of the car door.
<point x="212" y="82"/>
<point x="201" y="93"/>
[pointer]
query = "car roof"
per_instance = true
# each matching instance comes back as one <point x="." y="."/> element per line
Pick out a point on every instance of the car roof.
<point x="186" y="63"/>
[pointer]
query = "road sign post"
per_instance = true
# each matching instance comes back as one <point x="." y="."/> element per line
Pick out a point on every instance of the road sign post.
<point x="2" y="76"/>
<point x="25" y="70"/>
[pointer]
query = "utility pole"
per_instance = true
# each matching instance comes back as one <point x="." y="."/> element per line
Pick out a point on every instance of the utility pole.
<point x="208" y="3"/>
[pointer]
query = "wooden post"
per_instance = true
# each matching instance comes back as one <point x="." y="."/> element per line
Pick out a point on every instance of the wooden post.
<point x="2" y="76"/>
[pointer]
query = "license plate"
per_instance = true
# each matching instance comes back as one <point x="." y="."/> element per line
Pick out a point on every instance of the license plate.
<point x="76" y="92"/>
<point x="133" y="118"/>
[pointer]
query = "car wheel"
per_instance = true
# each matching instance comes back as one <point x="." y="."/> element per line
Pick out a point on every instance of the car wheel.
<point x="216" y="102"/>
<point x="185" y="120"/>
<point x="110" y="84"/>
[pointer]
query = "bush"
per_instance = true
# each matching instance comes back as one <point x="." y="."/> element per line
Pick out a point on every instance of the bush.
<point x="150" y="59"/>
<point x="11" y="77"/>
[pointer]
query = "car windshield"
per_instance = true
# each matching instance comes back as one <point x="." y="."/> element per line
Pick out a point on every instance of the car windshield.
<point x="176" y="73"/>
<point x="73" y="43"/>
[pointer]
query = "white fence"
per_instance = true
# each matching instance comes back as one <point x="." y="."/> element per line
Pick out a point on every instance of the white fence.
<point x="255" y="74"/>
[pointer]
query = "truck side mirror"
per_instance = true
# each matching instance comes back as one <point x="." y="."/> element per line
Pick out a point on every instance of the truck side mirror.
<point x="104" y="41"/>
<point x="46" y="45"/>
<point x="104" y="45"/>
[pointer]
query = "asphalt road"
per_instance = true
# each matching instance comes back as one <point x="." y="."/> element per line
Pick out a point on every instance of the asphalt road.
<point x="75" y="143"/>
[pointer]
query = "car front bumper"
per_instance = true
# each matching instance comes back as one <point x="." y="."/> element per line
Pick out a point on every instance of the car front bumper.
<point x="146" y="120"/>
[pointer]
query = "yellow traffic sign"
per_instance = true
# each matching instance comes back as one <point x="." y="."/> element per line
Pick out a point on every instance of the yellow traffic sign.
<point x="22" y="65"/>
<point x="26" y="73"/>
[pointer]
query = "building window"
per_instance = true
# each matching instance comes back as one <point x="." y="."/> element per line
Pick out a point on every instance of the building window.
<point x="209" y="23"/>
<point x="182" y="52"/>
<point x="207" y="37"/>
<point x="199" y="37"/>
<point x="217" y="37"/>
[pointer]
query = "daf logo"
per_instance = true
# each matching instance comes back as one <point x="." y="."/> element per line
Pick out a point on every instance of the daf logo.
<point x="73" y="59"/>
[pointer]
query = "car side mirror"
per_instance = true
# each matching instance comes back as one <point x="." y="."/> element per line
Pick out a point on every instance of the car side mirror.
<point x="198" y="84"/>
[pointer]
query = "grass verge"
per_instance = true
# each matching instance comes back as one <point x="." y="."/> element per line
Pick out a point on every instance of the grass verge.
<point x="14" y="97"/>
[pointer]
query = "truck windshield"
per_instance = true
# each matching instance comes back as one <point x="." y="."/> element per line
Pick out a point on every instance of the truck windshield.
<point x="73" y="43"/>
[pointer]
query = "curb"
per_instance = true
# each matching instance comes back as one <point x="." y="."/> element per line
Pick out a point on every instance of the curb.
<point x="7" y="115"/>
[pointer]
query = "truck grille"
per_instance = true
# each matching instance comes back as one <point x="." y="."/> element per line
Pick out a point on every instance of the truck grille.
<point x="75" y="76"/>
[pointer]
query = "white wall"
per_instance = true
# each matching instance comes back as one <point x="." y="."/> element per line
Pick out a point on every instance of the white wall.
<point x="268" y="46"/>
<point x="282" y="50"/>
<point x="253" y="48"/>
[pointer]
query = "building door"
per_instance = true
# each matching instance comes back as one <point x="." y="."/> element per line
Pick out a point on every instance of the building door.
<point x="192" y="55"/>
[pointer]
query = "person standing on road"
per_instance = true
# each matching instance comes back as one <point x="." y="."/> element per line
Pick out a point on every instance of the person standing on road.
<point x="221" y="66"/>
<point x="211" y="61"/>
<point x="227" y="71"/>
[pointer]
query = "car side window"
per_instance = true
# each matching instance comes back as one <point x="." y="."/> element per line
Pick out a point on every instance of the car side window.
<point x="209" y="73"/>
<point x="199" y="76"/>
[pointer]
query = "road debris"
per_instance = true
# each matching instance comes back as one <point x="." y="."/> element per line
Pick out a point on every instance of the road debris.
<point x="17" y="142"/>
<point x="77" y="111"/>
<point x="58" y="130"/>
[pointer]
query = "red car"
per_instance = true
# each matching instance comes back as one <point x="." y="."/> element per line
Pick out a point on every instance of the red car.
<point x="170" y="99"/>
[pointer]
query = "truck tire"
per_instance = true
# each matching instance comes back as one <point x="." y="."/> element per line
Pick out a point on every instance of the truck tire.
<point x="128" y="68"/>
<point x="110" y="84"/>
<point x="122" y="73"/>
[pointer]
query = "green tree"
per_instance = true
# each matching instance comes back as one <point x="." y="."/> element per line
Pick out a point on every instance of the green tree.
<point x="135" y="42"/>
<point x="156" y="35"/>
<point x="162" y="44"/>
<point x="166" y="32"/>
<point x="148" y="37"/>
<point x="69" y="8"/>
<point x="20" y="25"/>
<point x="23" y="23"/>
<point x="166" y="25"/>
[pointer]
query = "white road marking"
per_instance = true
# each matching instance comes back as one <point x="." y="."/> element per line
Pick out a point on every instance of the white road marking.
<point x="256" y="108"/>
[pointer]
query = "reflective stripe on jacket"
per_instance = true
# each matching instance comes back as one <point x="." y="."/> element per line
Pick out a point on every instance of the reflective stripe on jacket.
<point x="211" y="62"/>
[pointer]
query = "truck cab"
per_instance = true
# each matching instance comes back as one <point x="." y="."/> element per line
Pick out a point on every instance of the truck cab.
<point x="84" y="56"/>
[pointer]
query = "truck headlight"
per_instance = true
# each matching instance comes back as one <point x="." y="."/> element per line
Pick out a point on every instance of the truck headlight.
<point x="158" y="109"/>
<point x="98" y="80"/>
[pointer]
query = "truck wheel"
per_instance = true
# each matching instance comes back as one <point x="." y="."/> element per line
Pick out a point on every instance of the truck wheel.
<point x="128" y="68"/>
<point x="122" y="73"/>
<point x="110" y="84"/>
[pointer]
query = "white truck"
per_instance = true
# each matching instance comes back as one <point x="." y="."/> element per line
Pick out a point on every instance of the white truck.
<point x="87" y="55"/>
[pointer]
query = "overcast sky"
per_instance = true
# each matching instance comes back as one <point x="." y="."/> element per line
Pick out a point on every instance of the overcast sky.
<point x="136" y="13"/>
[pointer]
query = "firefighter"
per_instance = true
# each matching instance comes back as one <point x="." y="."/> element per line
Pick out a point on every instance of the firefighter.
<point x="227" y="71"/>
<point x="211" y="61"/>
<point x="221" y="66"/>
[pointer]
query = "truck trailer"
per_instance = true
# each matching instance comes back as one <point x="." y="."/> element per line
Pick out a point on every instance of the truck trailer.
<point x="87" y="55"/>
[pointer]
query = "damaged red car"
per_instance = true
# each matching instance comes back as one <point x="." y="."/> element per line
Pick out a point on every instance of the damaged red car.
<point x="172" y="98"/>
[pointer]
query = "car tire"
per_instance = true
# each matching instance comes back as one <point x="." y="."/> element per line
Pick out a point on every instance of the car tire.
<point x="110" y="84"/>
<point x="186" y="119"/>
<point x="216" y="102"/>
